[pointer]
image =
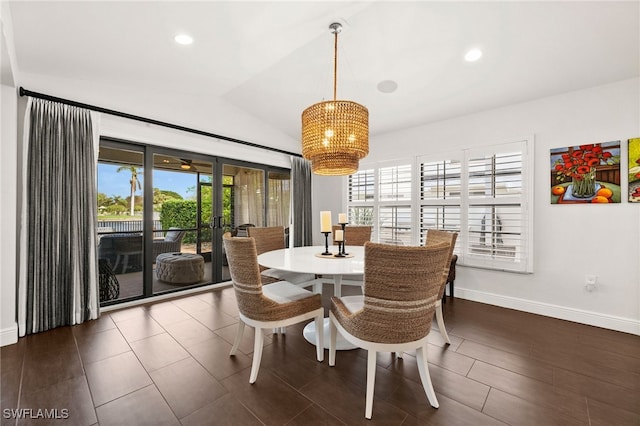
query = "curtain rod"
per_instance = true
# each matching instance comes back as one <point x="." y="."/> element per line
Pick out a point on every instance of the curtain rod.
<point x="25" y="92"/>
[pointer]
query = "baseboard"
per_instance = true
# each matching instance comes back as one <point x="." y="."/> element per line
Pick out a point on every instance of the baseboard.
<point x="610" y="322"/>
<point x="9" y="336"/>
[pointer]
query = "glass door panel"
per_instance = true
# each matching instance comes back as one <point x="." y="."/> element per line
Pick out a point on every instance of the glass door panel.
<point x="279" y="201"/>
<point x="182" y="219"/>
<point x="246" y="203"/>
<point x="120" y="223"/>
<point x="242" y="204"/>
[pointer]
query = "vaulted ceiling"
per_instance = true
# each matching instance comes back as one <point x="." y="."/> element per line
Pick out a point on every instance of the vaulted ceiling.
<point x="273" y="59"/>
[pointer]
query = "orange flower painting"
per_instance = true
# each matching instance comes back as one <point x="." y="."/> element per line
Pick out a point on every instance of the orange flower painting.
<point x="634" y="170"/>
<point x="587" y="173"/>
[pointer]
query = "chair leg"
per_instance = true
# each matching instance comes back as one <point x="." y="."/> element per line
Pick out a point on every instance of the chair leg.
<point x="236" y="342"/>
<point x="371" y="382"/>
<point x="320" y="337"/>
<point x="425" y="377"/>
<point x="451" y="289"/>
<point x="333" y="334"/>
<point x="258" y="343"/>
<point x="440" y="320"/>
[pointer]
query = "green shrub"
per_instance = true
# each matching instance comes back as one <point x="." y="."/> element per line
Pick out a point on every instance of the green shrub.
<point x="183" y="214"/>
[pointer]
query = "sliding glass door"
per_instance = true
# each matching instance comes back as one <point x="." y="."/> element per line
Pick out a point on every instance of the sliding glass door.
<point x="182" y="220"/>
<point x="162" y="214"/>
<point x="121" y="202"/>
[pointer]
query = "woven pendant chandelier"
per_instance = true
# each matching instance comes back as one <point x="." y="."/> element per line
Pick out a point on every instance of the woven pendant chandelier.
<point x="335" y="134"/>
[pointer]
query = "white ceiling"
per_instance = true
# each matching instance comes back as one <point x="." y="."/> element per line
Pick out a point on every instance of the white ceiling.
<point x="273" y="59"/>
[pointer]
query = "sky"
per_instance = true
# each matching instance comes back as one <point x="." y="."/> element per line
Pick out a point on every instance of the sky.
<point x="111" y="182"/>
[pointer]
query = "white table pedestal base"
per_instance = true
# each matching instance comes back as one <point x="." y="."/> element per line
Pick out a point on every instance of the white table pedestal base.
<point x="309" y="334"/>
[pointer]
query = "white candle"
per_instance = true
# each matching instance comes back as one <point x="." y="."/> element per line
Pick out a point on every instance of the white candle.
<point x="339" y="235"/>
<point x="342" y="218"/>
<point x="325" y="221"/>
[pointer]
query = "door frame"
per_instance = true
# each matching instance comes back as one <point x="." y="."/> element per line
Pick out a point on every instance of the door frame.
<point x="218" y="230"/>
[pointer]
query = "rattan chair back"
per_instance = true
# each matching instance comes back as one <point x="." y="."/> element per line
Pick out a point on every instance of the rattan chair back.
<point x="267" y="238"/>
<point x="435" y="236"/>
<point x="355" y="235"/>
<point x="245" y="275"/>
<point x="401" y="285"/>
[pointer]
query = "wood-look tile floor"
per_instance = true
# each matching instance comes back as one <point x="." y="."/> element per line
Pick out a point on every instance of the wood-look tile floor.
<point x="168" y="363"/>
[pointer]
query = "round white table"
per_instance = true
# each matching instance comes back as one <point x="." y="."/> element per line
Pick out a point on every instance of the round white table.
<point x="304" y="259"/>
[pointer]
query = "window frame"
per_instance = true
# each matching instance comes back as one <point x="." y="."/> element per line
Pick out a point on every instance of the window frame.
<point x="522" y="224"/>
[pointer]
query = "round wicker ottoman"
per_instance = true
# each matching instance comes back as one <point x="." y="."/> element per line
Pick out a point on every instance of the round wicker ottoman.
<point x="180" y="268"/>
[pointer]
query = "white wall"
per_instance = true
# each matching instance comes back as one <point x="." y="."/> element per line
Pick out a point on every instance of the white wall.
<point x="8" y="217"/>
<point x="8" y="182"/>
<point x="570" y="240"/>
<point x="213" y="115"/>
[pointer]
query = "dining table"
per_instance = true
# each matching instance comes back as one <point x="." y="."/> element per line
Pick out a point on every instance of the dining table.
<point x="309" y="259"/>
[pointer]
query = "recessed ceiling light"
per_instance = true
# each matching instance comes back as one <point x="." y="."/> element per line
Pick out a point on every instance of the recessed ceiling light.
<point x="473" y="55"/>
<point x="183" y="39"/>
<point x="387" y="86"/>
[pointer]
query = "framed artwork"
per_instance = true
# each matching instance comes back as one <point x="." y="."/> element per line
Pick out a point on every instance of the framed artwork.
<point x="634" y="170"/>
<point x="586" y="174"/>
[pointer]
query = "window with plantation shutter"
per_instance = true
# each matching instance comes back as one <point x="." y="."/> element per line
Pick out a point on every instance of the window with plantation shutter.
<point x="361" y="186"/>
<point x="497" y="209"/>
<point x="395" y="187"/>
<point x="440" y="195"/>
<point x="483" y="194"/>
<point x="360" y="198"/>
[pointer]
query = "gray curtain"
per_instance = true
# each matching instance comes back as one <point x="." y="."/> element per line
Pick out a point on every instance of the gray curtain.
<point x="58" y="262"/>
<point x="301" y="202"/>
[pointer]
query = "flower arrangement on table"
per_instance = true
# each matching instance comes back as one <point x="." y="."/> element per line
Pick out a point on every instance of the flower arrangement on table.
<point x="580" y="166"/>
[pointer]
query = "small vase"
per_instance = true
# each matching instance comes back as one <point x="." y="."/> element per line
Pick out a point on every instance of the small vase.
<point x="584" y="186"/>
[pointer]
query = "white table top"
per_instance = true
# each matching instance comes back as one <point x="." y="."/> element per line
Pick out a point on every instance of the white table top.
<point x="304" y="259"/>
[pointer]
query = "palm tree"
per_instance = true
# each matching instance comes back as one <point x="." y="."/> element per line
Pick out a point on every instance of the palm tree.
<point x="135" y="183"/>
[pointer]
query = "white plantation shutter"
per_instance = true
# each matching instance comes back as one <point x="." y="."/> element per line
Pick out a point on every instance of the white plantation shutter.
<point x="498" y="219"/>
<point x="483" y="193"/>
<point x="395" y="188"/>
<point x="360" y="196"/>
<point x="440" y="195"/>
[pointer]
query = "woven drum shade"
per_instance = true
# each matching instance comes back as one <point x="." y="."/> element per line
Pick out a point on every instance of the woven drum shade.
<point x="335" y="136"/>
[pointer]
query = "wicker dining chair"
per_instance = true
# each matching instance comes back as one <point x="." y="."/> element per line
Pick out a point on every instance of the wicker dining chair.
<point x="354" y="235"/>
<point x="269" y="238"/>
<point x="401" y="286"/>
<point x="435" y="236"/>
<point x="267" y="307"/>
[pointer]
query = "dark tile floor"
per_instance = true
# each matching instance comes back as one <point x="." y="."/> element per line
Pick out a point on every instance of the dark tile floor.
<point x="168" y="363"/>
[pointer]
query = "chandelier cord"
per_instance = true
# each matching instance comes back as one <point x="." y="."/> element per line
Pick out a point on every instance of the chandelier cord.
<point x="335" y="65"/>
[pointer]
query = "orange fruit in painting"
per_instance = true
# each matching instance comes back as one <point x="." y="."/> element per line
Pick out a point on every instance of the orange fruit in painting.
<point x="605" y="192"/>
<point x="557" y="190"/>
<point x="600" y="199"/>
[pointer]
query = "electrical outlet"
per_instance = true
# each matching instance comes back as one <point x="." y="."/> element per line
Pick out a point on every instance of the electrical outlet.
<point x="590" y="279"/>
<point x="590" y="287"/>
